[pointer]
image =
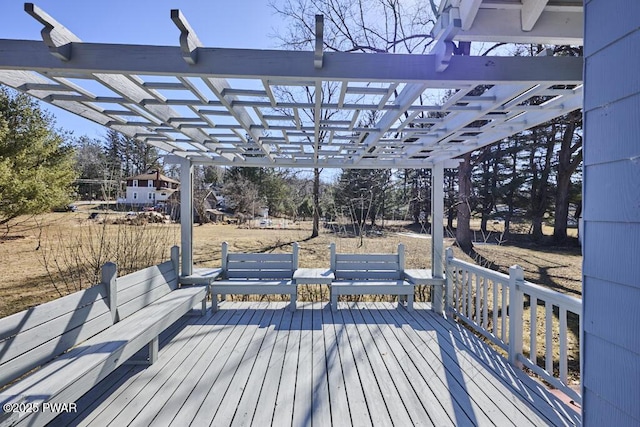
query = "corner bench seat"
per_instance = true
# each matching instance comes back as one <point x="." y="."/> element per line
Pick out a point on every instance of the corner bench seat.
<point x="78" y="340"/>
<point x="256" y="274"/>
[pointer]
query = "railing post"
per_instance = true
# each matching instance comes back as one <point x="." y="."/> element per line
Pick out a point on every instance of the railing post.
<point x="332" y="256"/>
<point x="109" y="273"/>
<point x="225" y="252"/>
<point x="448" y="292"/>
<point x="401" y="258"/>
<point x="296" y="250"/>
<point x="175" y="259"/>
<point x="516" y="300"/>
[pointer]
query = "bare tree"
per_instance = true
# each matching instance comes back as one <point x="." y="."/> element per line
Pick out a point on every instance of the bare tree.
<point x="354" y="26"/>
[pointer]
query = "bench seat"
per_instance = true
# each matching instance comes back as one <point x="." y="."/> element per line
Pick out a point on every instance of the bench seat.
<point x="256" y="274"/>
<point x="371" y="287"/>
<point x="253" y="287"/>
<point x="69" y="376"/>
<point x="369" y="274"/>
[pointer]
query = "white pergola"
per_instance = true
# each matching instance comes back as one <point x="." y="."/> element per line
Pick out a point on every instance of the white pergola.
<point x="273" y="108"/>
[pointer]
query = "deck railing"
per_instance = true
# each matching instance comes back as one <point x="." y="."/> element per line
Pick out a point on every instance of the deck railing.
<point x="514" y="314"/>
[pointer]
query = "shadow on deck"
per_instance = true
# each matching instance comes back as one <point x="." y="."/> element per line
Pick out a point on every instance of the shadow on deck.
<point x="366" y="364"/>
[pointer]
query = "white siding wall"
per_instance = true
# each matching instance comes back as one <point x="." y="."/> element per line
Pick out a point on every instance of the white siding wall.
<point x="611" y="271"/>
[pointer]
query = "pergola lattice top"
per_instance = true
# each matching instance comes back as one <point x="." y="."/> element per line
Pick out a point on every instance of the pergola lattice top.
<point x="292" y="108"/>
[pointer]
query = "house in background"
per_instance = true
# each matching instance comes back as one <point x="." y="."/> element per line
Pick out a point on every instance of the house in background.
<point x="149" y="189"/>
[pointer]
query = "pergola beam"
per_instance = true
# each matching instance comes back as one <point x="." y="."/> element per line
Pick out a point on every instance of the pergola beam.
<point x="506" y="25"/>
<point x="290" y="66"/>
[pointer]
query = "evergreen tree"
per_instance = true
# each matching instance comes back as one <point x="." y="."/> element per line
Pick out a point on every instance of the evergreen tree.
<point x="36" y="164"/>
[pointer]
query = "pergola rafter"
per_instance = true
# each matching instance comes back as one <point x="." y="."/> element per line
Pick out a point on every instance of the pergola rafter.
<point x="225" y="106"/>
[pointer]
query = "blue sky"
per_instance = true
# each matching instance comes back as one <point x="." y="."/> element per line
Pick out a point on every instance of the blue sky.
<point x="218" y="23"/>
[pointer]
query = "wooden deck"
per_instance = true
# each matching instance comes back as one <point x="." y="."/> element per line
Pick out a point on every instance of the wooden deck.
<point x="366" y="364"/>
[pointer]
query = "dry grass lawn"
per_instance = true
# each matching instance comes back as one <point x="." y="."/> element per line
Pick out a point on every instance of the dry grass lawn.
<point x="24" y="280"/>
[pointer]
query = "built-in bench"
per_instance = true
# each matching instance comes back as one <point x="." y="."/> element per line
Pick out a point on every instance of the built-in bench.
<point x="369" y="274"/>
<point x="256" y="274"/>
<point x="75" y="341"/>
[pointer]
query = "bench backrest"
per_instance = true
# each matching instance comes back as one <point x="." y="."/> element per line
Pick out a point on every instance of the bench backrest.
<point x="257" y="265"/>
<point x="35" y="336"/>
<point x="139" y="289"/>
<point x="367" y="266"/>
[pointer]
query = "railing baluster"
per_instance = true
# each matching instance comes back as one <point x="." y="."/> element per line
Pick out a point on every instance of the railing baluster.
<point x="549" y="337"/>
<point x="494" y="307"/>
<point x="478" y="299"/>
<point x="459" y="278"/>
<point x="470" y="296"/>
<point x="503" y="333"/>
<point x="463" y="290"/>
<point x="485" y="300"/>
<point x="563" y="345"/>
<point x="533" y="330"/>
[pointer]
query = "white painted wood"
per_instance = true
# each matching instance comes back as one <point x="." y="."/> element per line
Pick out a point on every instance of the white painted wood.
<point x="41" y="352"/>
<point x="378" y="409"/>
<point x="319" y="44"/>
<point x="201" y="276"/>
<point x="530" y="13"/>
<point x="468" y="11"/>
<point x="437" y="234"/>
<point x="43" y="313"/>
<point x="387" y="375"/>
<point x="498" y="382"/>
<point x="173" y="340"/>
<point x="254" y="273"/>
<point x="361" y="274"/>
<point x="231" y="359"/>
<point x="548" y="338"/>
<point x="533" y="329"/>
<point x="69" y="377"/>
<point x="339" y="401"/>
<point x="303" y="395"/>
<point x="225" y="334"/>
<point x="232" y="400"/>
<point x="108" y="273"/>
<point x="284" y="403"/>
<point x="506" y="25"/>
<point x="268" y="390"/>
<point x="189" y="41"/>
<point x="421" y="353"/>
<point x="186" y="216"/>
<point x="313" y="276"/>
<point x="516" y="300"/>
<point x="56" y="36"/>
<point x="152" y="405"/>
<point x="252" y="389"/>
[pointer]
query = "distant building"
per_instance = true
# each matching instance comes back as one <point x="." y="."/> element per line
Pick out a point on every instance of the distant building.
<point x="149" y="189"/>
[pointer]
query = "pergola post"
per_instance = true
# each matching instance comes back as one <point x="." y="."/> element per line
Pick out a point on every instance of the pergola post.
<point x="186" y="215"/>
<point x="437" y="232"/>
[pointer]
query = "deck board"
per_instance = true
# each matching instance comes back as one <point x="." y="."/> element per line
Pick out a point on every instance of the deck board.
<point x="365" y="364"/>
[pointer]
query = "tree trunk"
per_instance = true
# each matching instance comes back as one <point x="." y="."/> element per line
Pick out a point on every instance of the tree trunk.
<point x="315" y="232"/>
<point x="463" y="232"/>
<point x="566" y="167"/>
<point x="540" y="182"/>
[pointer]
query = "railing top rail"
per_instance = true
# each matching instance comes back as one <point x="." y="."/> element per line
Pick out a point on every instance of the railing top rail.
<point x="569" y="302"/>
<point x="480" y="270"/>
